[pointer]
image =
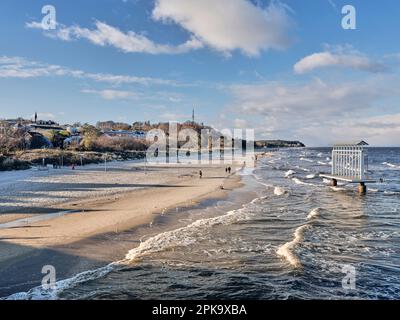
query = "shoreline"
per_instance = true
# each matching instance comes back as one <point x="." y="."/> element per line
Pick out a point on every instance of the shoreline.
<point x="103" y="232"/>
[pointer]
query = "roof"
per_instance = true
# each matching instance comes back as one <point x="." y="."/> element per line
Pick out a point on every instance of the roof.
<point x="352" y="144"/>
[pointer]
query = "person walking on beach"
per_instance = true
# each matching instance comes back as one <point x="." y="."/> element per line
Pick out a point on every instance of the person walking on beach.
<point x="229" y="170"/>
<point x="201" y="174"/>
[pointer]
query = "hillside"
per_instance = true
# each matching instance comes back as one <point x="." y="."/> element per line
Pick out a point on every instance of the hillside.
<point x="278" y="144"/>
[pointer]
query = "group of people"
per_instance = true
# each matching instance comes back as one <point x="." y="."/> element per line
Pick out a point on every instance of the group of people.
<point x="227" y="170"/>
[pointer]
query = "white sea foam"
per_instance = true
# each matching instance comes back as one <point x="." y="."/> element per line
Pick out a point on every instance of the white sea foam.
<point x="38" y="293"/>
<point x="287" y="249"/>
<point x="279" y="191"/>
<point x="391" y="193"/>
<point x="391" y="165"/>
<point x="298" y="181"/>
<point x="290" y="173"/>
<point x="306" y="159"/>
<point x="322" y="163"/>
<point x="179" y="237"/>
<point x="314" y="214"/>
<point x="310" y="176"/>
<point x="337" y="189"/>
<point x="303" y="169"/>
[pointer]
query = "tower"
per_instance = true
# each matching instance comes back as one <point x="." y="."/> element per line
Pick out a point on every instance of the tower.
<point x="193" y="116"/>
<point x="35" y="117"/>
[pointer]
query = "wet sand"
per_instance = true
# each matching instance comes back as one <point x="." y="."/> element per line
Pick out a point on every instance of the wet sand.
<point x="102" y="229"/>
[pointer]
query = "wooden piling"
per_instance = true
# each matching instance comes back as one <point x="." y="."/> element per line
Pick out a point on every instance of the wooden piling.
<point x="362" y="188"/>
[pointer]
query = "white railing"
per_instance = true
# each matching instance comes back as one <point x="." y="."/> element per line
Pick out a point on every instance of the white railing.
<point x="349" y="161"/>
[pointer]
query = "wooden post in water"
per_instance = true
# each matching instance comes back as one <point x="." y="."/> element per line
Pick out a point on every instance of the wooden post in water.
<point x="362" y="188"/>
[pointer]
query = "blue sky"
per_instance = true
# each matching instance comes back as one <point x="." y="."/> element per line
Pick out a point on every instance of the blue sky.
<point x="285" y="68"/>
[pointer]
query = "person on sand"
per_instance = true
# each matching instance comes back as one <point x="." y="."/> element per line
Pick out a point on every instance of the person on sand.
<point x="201" y="174"/>
<point x="229" y="170"/>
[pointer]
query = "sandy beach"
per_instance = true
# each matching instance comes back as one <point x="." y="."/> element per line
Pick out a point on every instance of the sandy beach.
<point x="64" y="217"/>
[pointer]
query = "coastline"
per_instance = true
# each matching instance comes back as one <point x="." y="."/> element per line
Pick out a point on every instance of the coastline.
<point x="102" y="231"/>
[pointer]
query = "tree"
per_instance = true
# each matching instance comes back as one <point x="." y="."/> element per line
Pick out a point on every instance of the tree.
<point x="90" y="135"/>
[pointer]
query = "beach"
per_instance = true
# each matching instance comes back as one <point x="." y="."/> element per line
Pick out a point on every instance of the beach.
<point x="276" y="231"/>
<point x="65" y="218"/>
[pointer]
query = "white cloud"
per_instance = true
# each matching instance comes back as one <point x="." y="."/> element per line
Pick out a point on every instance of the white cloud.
<point x="325" y="59"/>
<point x="320" y="112"/>
<point x="106" y="35"/>
<point x="17" y="67"/>
<point x="110" y="94"/>
<point x="240" y="123"/>
<point x="223" y="25"/>
<point x="228" y="25"/>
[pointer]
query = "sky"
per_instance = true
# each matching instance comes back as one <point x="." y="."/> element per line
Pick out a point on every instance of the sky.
<point x="287" y="69"/>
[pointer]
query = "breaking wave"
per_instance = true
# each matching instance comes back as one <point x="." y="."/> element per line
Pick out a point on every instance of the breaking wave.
<point x="391" y="165"/>
<point x="279" y="191"/>
<point x="290" y="173"/>
<point x="314" y="214"/>
<point x="286" y="250"/>
<point x="179" y="237"/>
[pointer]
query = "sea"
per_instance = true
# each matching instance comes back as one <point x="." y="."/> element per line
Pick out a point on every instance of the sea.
<point x="286" y="234"/>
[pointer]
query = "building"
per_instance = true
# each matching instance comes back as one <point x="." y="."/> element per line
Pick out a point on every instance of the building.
<point x="46" y="125"/>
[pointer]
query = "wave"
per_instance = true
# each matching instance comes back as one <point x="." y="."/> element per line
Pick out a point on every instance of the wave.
<point x="314" y="213"/>
<point x="279" y="191"/>
<point x="391" y="165"/>
<point x="290" y="173"/>
<point x="298" y="181"/>
<point x="337" y="189"/>
<point x="38" y="293"/>
<point x="183" y="236"/>
<point x="391" y="193"/>
<point x="303" y="169"/>
<point x="286" y="250"/>
<point x="306" y="159"/>
<point x="311" y="176"/>
<point x="260" y="181"/>
<point x="323" y="163"/>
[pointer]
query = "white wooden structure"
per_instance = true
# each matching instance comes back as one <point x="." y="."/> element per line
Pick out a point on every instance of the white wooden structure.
<point x="350" y="164"/>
